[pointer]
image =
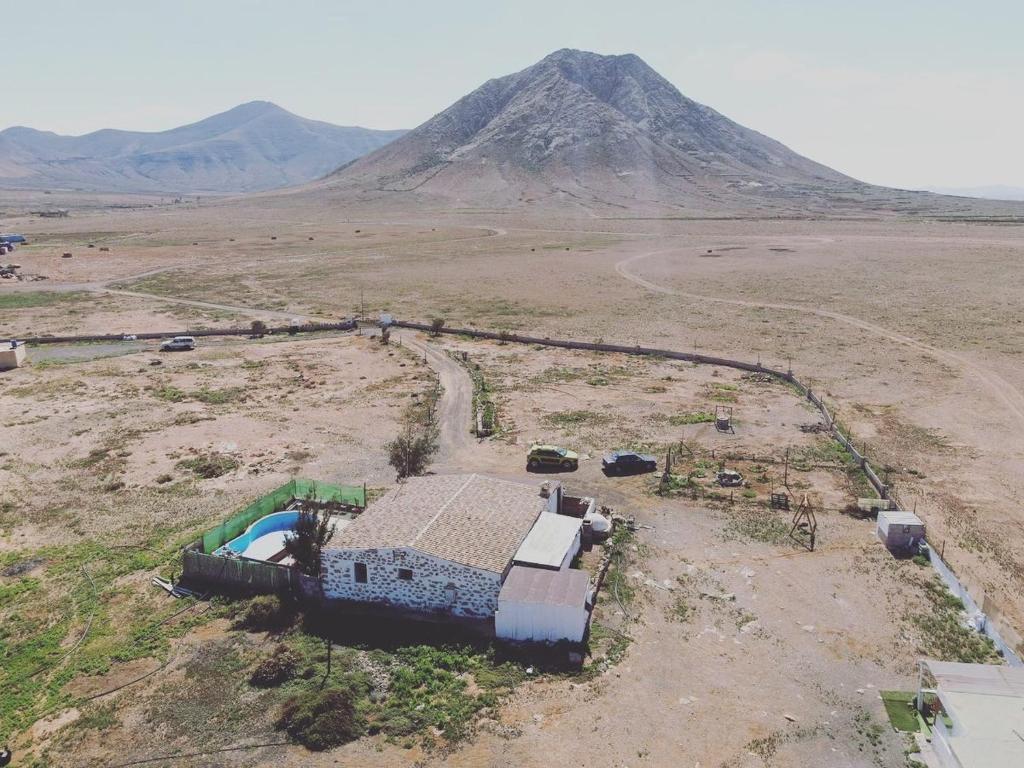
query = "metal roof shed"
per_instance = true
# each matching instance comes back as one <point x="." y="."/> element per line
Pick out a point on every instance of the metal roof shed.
<point x="539" y="605"/>
<point x="900" y="531"/>
<point x="552" y="542"/>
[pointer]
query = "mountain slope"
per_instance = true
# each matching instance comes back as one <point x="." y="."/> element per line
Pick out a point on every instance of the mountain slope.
<point x="594" y="129"/>
<point x="255" y="146"/>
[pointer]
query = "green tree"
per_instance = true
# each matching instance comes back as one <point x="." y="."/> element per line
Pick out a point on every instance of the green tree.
<point x="313" y="532"/>
<point x="412" y="451"/>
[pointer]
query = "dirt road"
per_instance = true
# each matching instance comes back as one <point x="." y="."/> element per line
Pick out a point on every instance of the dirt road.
<point x="1005" y="393"/>
<point x="455" y="413"/>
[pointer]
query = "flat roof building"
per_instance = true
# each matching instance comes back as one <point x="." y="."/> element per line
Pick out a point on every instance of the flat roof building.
<point x="985" y="704"/>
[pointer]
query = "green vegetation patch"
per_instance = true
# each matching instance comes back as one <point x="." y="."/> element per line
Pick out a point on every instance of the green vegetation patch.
<point x="31" y="299"/>
<point x="693" y="417"/>
<point x="943" y="634"/>
<point x="209" y="465"/>
<point x="900" y="707"/>
<point x="576" y="419"/>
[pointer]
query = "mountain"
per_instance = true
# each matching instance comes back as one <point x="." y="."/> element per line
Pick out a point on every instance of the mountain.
<point x="995" y="192"/>
<point x="594" y="131"/>
<point x="253" y="147"/>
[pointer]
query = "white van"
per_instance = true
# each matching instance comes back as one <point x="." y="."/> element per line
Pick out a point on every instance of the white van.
<point x="178" y="344"/>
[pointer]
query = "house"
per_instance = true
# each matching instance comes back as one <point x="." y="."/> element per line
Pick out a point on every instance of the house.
<point x="984" y="706"/>
<point x="441" y="544"/>
<point x="541" y="605"/>
<point x="12" y="354"/>
<point x="900" y="531"/>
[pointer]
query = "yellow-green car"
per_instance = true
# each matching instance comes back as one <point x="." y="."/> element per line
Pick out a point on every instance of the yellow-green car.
<point x="552" y="457"/>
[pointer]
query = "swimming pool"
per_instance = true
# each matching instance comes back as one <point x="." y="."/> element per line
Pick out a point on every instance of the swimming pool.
<point x="264" y="538"/>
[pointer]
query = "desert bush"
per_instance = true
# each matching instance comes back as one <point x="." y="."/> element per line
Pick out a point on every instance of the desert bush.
<point x="265" y="613"/>
<point x="209" y="465"/>
<point x="322" y="719"/>
<point x="436" y="325"/>
<point x="276" y="668"/>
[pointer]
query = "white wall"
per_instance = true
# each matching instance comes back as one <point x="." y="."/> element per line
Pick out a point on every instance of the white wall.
<point x="436" y="585"/>
<point x="540" y="622"/>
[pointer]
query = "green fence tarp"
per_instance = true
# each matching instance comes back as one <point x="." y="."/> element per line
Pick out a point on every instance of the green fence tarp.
<point x="275" y="501"/>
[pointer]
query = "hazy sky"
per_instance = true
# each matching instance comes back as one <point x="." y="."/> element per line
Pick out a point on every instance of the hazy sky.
<point x="909" y="93"/>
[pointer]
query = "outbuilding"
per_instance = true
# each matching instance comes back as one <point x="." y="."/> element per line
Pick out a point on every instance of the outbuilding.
<point x="543" y="606"/>
<point x="900" y="531"/>
<point x="552" y="543"/>
<point x="12" y="354"/>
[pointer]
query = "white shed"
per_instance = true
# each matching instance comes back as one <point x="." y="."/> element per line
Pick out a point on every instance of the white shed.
<point x="541" y="605"/>
<point x="900" y="531"/>
<point x="552" y="543"/>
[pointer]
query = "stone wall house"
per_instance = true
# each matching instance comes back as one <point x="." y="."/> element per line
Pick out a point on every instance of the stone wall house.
<point x="436" y="544"/>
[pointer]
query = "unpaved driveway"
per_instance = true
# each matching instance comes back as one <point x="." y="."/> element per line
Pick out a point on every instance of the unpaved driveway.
<point x="455" y="413"/>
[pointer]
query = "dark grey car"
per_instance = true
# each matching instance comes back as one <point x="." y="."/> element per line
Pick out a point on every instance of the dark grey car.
<point x="628" y="463"/>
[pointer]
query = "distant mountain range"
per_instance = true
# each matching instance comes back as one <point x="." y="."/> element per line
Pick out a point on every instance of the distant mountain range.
<point x="590" y="131"/>
<point x="253" y="147"/>
<point x="994" y="192"/>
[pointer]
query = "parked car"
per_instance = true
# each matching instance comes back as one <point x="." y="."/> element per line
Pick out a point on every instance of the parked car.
<point x="178" y="344"/>
<point x="552" y="457"/>
<point x="628" y="463"/>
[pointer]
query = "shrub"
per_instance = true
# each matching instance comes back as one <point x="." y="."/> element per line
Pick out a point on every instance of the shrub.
<point x="276" y="668"/>
<point x="209" y="465"/>
<point x="412" y="451"/>
<point x="436" y="325"/>
<point x="322" y="719"/>
<point x="264" y="613"/>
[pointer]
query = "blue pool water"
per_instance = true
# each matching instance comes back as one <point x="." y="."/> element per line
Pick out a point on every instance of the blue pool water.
<point x="264" y="538"/>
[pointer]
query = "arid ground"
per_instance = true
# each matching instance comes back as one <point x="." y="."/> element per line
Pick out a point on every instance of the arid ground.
<point x="743" y="650"/>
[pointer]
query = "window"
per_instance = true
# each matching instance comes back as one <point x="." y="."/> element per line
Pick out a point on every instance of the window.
<point x="405" y="574"/>
<point x="360" y="571"/>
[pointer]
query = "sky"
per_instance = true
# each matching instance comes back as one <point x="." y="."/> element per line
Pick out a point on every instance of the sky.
<point x="906" y="93"/>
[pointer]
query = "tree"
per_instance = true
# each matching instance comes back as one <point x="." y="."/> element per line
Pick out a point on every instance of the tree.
<point x="436" y="325"/>
<point x="412" y="451"/>
<point x="313" y="532"/>
<point x="259" y="329"/>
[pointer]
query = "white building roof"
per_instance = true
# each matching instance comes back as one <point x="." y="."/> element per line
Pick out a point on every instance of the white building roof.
<point x="474" y="520"/>
<point x="900" y="517"/>
<point x="549" y="541"/>
<point x="986" y="703"/>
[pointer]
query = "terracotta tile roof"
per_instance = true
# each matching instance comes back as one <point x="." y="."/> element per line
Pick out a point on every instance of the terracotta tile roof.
<point x="475" y="520"/>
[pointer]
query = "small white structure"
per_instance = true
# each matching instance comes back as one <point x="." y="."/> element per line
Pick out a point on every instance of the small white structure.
<point x="552" y="543"/>
<point x="541" y="605"/>
<point x="900" y="531"/>
<point x="985" y="704"/>
<point x="12" y="354"/>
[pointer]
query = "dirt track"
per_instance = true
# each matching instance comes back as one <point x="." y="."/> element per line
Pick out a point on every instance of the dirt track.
<point x="1006" y="393"/>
